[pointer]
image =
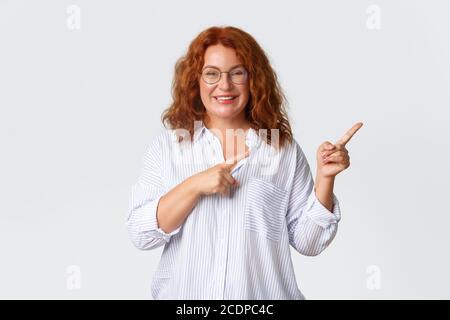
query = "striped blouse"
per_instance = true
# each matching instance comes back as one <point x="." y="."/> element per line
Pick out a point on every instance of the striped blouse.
<point x="234" y="247"/>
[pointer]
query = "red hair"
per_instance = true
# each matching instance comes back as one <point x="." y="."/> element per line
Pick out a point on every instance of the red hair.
<point x="266" y="106"/>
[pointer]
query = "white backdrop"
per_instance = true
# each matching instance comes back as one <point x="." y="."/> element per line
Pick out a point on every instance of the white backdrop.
<point x="82" y="88"/>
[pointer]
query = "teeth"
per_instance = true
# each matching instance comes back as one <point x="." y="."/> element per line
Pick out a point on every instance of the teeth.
<point x="225" y="98"/>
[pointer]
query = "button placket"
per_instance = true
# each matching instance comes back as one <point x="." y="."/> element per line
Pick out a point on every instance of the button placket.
<point x="222" y="248"/>
<point x="222" y="231"/>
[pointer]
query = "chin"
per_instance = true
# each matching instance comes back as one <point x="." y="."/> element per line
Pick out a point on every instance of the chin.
<point x="226" y="112"/>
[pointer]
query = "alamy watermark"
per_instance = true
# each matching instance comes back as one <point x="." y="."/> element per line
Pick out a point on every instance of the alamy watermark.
<point x="184" y="152"/>
<point x="73" y="281"/>
<point x="373" y="21"/>
<point x="373" y="281"/>
<point x="73" y="21"/>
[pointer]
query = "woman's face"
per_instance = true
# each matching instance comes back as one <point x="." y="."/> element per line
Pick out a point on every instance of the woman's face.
<point x="224" y="100"/>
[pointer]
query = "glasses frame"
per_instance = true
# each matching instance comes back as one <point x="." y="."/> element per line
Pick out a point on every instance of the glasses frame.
<point x="220" y="74"/>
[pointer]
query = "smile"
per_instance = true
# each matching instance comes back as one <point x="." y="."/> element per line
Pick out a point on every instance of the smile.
<point x="225" y="99"/>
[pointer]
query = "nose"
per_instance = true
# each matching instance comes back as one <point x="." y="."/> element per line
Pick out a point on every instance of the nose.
<point x="225" y="83"/>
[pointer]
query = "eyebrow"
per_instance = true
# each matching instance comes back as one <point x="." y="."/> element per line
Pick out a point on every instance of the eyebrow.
<point x="210" y="66"/>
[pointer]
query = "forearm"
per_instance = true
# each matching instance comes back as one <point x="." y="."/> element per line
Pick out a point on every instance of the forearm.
<point x="324" y="191"/>
<point x="176" y="205"/>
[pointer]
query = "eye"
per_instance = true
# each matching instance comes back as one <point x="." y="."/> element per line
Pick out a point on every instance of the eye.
<point x="210" y="72"/>
<point x="238" y="72"/>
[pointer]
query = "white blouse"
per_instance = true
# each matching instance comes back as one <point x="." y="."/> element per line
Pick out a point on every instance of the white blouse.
<point x="233" y="247"/>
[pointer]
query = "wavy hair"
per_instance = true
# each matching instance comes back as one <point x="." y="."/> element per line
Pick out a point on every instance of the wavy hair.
<point x="266" y="107"/>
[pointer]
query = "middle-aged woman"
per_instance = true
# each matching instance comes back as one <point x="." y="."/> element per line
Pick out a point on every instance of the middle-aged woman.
<point x="227" y="189"/>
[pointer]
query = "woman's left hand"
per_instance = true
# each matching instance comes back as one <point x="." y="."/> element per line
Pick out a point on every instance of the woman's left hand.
<point x="333" y="158"/>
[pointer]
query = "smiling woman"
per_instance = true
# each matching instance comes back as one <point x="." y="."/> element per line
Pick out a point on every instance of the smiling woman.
<point x="227" y="220"/>
<point x="224" y="97"/>
<point x="227" y="63"/>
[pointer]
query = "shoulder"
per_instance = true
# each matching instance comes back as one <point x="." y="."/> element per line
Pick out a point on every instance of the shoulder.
<point x="162" y="139"/>
<point x="157" y="143"/>
<point x="293" y="149"/>
<point x="294" y="153"/>
<point x="163" y="143"/>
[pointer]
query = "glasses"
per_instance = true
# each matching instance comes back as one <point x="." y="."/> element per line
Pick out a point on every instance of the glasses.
<point x="212" y="75"/>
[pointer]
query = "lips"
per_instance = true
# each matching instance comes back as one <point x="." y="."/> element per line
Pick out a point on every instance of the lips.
<point x="225" y="98"/>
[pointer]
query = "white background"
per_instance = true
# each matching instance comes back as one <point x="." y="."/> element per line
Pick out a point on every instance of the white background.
<point x="79" y="107"/>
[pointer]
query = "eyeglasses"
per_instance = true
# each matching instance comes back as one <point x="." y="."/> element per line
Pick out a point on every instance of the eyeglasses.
<point x="212" y="75"/>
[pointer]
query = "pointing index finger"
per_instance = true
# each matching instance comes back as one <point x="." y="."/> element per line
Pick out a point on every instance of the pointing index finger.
<point x="232" y="161"/>
<point x="349" y="134"/>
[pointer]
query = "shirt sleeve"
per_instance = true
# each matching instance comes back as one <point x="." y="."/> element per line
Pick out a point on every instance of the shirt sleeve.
<point x="141" y="221"/>
<point x="311" y="226"/>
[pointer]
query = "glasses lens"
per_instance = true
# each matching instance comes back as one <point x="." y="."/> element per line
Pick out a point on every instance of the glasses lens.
<point x="238" y="76"/>
<point x="211" y="75"/>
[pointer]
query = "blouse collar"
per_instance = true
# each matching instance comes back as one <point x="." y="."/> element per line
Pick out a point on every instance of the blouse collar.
<point x="252" y="139"/>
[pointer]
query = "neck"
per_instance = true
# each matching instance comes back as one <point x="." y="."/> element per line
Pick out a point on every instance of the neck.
<point x="224" y="124"/>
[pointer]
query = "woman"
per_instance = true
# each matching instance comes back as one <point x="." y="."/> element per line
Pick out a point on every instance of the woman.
<point x="224" y="195"/>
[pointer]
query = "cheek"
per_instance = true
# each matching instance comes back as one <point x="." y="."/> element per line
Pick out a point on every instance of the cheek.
<point x="245" y="94"/>
<point x="205" y="93"/>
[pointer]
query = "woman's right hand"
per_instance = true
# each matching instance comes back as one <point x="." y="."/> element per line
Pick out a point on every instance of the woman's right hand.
<point x="217" y="179"/>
